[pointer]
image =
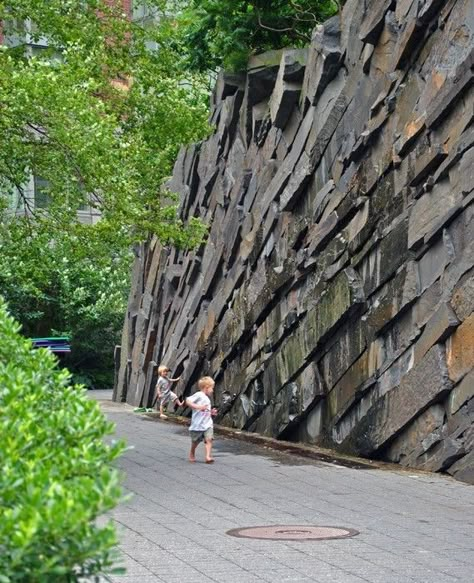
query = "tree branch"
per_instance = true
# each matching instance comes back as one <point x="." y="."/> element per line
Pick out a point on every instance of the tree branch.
<point x="29" y="210"/>
<point x="299" y="10"/>
<point x="260" y="23"/>
<point x="287" y="29"/>
<point x="70" y="158"/>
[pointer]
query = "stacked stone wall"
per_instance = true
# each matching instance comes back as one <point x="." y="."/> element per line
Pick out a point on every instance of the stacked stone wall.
<point x="333" y="301"/>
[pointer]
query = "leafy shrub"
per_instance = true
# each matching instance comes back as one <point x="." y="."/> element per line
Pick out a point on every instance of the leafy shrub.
<point x="56" y="477"/>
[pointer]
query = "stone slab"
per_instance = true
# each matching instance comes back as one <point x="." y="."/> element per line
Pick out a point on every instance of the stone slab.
<point x="462" y="300"/>
<point x="438" y="328"/>
<point x="463" y="469"/>
<point x="373" y="24"/>
<point x="442" y="455"/>
<point x="425" y="384"/>
<point x="324" y="60"/>
<point x="460" y="350"/>
<point x="461" y="393"/>
<point x="410" y="439"/>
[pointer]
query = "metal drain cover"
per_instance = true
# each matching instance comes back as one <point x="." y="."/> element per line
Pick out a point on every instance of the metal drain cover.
<point x="289" y="532"/>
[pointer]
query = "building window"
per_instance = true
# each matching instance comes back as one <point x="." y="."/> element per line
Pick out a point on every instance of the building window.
<point x="42" y="199"/>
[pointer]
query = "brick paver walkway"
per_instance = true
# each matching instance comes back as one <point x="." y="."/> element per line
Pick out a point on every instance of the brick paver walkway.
<point x="413" y="527"/>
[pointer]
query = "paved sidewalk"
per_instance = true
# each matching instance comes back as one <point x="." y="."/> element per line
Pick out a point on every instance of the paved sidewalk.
<point x="413" y="527"/>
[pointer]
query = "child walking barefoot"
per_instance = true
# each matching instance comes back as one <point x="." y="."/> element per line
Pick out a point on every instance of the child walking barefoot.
<point x="201" y="427"/>
<point x="163" y="390"/>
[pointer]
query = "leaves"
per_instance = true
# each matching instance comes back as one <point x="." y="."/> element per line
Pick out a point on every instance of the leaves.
<point x="97" y="118"/>
<point x="57" y="477"/>
<point x="225" y="33"/>
<point x="98" y="115"/>
<point x="76" y="284"/>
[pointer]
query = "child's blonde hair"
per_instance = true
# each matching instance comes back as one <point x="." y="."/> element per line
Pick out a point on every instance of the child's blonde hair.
<point x="205" y="382"/>
<point x="162" y="368"/>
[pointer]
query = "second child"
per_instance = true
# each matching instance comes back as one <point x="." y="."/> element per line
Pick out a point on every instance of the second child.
<point x="163" y="390"/>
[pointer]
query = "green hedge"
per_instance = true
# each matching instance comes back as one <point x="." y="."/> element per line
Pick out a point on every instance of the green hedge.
<point x="56" y="476"/>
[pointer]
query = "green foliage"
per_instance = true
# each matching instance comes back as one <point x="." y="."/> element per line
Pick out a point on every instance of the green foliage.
<point x="97" y="114"/>
<point x="226" y="32"/>
<point x="100" y="117"/>
<point x="56" y="477"/>
<point x="76" y="284"/>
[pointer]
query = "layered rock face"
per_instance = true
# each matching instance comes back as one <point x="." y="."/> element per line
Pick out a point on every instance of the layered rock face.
<point x="333" y="301"/>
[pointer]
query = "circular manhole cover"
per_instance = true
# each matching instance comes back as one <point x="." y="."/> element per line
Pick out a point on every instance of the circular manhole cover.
<point x="289" y="532"/>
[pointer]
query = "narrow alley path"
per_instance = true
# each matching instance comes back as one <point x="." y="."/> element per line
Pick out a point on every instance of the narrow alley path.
<point x="413" y="527"/>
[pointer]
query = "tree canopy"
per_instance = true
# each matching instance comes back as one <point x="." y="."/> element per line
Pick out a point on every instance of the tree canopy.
<point x="224" y="33"/>
<point x="95" y="107"/>
<point x="97" y="114"/>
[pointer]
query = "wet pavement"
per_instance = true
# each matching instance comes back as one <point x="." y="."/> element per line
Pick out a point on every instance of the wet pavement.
<point x="412" y="527"/>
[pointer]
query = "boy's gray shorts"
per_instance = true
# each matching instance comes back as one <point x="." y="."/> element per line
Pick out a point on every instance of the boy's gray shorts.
<point x="170" y="396"/>
<point x="198" y="436"/>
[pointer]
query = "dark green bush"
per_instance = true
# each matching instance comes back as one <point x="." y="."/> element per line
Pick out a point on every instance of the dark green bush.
<point x="56" y="476"/>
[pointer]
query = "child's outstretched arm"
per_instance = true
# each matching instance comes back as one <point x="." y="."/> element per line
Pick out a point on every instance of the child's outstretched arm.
<point x="174" y="380"/>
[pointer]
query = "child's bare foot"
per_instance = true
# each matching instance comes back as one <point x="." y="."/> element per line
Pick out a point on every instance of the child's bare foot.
<point x="163" y="416"/>
<point x="192" y="459"/>
<point x="210" y="460"/>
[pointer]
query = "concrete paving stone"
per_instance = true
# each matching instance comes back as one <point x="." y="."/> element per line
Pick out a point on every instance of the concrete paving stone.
<point x="433" y="576"/>
<point x="166" y="572"/>
<point x="433" y="560"/>
<point x="153" y="564"/>
<point x="462" y="557"/>
<point x="180" y="579"/>
<point x="248" y="578"/>
<point x="343" y="577"/>
<point x="133" y="579"/>
<point x="218" y="568"/>
<point x="176" y="521"/>
<point x="262" y="565"/>
<point x="316" y="566"/>
<point x="183" y="570"/>
<point x="373" y="575"/>
<point x="293" y="579"/>
<point x="136" y="570"/>
<point x="393" y="567"/>
<point x="459" y="572"/>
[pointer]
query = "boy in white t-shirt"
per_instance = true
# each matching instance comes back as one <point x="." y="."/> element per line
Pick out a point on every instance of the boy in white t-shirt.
<point x="201" y="427"/>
